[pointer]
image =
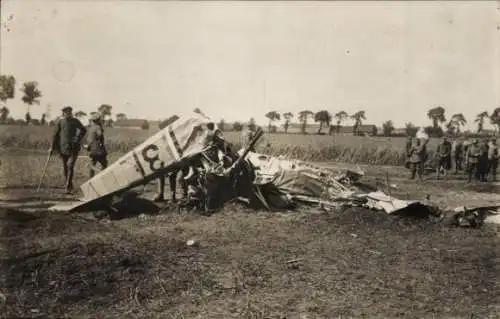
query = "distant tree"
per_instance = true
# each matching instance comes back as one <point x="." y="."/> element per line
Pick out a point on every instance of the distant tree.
<point x="324" y="118"/>
<point x="105" y="112"/>
<point x="411" y="129"/>
<point x="303" y="118"/>
<point x="197" y="110"/>
<point x="456" y="121"/>
<point x="495" y="118"/>
<point x="237" y="126"/>
<point x="251" y="124"/>
<point x="7" y="87"/>
<point x="222" y="125"/>
<point x="145" y="125"/>
<point x="7" y="91"/>
<point x="340" y="117"/>
<point x="27" y="118"/>
<point x="388" y="128"/>
<point x="31" y="96"/>
<point x="434" y="131"/>
<point x="121" y="116"/>
<point x="4" y="114"/>
<point x="480" y="120"/>
<point x="437" y="115"/>
<point x="35" y="122"/>
<point x="358" y="118"/>
<point x="42" y="119"/>
<point x="272" y="116"/>
<point x="287" y="116"/>
<point x="80" y="114"/>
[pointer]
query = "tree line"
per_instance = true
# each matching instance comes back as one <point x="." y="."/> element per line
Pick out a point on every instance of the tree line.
<point x="31" y="96"/>
<point x="440" y="124"/>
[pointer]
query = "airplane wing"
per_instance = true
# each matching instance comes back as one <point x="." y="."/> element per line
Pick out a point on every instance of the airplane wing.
<point x="160" y="153"/>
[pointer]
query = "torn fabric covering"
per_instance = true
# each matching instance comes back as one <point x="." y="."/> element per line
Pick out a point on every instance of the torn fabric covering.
<point x="320" y="185"/>
<point x="179" y="140"/>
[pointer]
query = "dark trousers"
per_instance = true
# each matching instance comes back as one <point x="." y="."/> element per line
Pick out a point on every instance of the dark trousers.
<point x="473" y="169"/>
<point x="94" y="159"/>
<point x="69" y="168"/>
<point x="173" y="183"/>
<point x="493" y="165"/>
<point x="417" y="169"/>
<point x="483" y="169"/>
<point x="458" y="163"/>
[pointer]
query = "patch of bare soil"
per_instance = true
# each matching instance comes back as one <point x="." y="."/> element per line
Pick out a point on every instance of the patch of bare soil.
<point x="246" y="264"/>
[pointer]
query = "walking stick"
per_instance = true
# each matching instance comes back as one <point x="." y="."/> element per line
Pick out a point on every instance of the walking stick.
<point x="44" y="171"/>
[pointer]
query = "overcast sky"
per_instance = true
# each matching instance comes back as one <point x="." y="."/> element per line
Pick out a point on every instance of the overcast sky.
<point x="236" y="60"/>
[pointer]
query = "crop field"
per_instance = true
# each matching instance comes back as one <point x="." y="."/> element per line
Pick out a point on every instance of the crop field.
<point x="306" y="263"/>
<point x="349" y="149"/>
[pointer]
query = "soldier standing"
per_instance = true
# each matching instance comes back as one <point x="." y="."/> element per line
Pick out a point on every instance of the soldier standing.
<point x="247" y="136"/>
<point x="493" y="157"/>
<point x="417" y="159"/>
<point x="483" y="165"/>
<point x="68" y="134"/>
<point x="473" y="153"/>
<point x="95" y="145"/>
<point x="458" y="154"/>
<point x="444" y="157"/>
<point x="409" y="144"/>
<point x="172" y="176"/>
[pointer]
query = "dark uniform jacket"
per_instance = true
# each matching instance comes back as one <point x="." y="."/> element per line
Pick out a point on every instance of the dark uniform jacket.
<point x="473" y="154"/>
<point x="444" y="149"/>
<point x="95" y="140"/>
<point x="417" y="154"/>
<point x="68" y="135"/>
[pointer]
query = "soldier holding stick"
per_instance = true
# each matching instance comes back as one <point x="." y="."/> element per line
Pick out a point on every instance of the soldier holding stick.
<point x="67" y="137"/>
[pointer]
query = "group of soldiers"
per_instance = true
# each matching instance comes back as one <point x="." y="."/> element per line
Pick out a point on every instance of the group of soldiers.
<point x="68" y="136"/>
<point x="478" y="159"/>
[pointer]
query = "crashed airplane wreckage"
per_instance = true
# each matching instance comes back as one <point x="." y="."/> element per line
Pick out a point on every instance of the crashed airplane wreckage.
<point x="218" y="174"/>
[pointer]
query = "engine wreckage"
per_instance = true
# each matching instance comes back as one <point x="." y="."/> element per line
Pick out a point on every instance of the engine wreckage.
<point x="217" y="174"/>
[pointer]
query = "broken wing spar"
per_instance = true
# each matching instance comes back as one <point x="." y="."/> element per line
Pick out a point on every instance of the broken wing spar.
<point x="159" y="154"/>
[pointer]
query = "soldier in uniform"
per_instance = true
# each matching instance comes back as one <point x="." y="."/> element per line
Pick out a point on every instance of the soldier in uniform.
<point x="95" y="144"/>
<point x="444" y="157"/>
<point x="483" y="161"/>
<point x="473" y="153"/>
<point x="458" y="154"/>
<point x="67" y="137"/>
<point x="417" y="155"/>
<point x="493" y="156"/>
<point x="172" y="176"/>
<point x="247" y="136"/>
<point x="409" y="145"/>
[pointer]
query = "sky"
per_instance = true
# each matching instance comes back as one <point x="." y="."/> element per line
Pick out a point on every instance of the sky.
<point x="237" y="60"/>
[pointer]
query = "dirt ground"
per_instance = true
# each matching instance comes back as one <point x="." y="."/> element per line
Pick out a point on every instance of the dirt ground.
<point x="246" y="264"/>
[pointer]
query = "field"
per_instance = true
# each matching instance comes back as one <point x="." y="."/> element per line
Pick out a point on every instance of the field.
<point x="349" y="149"/>
<point x="245" y="264"/>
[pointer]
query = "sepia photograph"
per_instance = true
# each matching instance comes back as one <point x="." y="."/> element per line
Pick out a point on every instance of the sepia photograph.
<point x="249" y="159"/>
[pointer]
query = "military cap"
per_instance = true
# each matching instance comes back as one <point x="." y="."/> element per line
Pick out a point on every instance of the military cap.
<point x="95" y="117"/>
<point x="67" y="109"/>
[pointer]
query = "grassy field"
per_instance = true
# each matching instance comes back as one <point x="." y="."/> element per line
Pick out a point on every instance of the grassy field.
<point x="350" y="264"/>
<point x="245" y="264"/>
<point x="349" y="149"/>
